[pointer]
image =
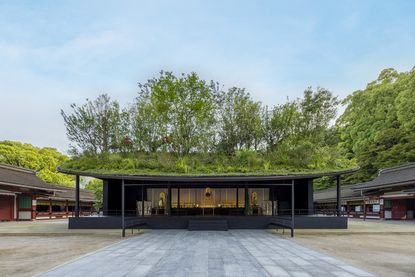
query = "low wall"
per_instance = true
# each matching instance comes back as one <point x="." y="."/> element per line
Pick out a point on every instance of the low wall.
<point x="234" y="222"/>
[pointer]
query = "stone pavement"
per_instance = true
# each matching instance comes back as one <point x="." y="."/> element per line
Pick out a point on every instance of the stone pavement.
<point x="206" y="253"/>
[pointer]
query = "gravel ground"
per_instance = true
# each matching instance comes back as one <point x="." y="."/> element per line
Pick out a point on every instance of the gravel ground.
<point x="28" y="248"/>
<point x="385" y="248"/>
<point x="28" y="255"/>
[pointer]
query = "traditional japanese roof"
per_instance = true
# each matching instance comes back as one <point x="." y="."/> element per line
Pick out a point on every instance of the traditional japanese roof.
<point x="7" y="192"/>
<point x="389" y="177"/>
<point x="330" y="194"/>
<point x="23" y="177"/>
<point x="68" y="193"/>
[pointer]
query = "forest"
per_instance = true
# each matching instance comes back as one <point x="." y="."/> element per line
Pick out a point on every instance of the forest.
<point x="184" y="125"/>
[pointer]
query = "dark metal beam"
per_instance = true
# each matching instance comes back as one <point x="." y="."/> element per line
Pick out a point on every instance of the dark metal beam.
<point x="169" y="199"/>
<point x="77" y="202"/>
<point x="273" y="200"/>
<point x="237" y="197"/>
<point x="197" y="185"/>
<point x="122" y="207"/>
<point x="142" y="200"/>
<point x="292" y="208"/>
<point x="246" y="199"/>
<point x="178" y="197"/>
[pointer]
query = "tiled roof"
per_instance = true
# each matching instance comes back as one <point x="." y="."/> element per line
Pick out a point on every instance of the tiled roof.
<point x="22" y="177"/>
<point x="398" y="175"/>
<point x="68" y="193"/>
<point x="329" y="195"/>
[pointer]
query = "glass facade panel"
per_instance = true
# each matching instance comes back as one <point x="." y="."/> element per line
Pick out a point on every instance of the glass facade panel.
<point x="208" y="201"/>
<point x="258" y="202"/>
<point x="156" y="203"/>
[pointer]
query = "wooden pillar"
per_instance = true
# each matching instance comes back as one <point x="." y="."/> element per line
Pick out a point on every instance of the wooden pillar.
<point x="77" y="188"/>
<point x="364" y="209"/>
<point x="237" y="197"/>
<point x="50" y="208"/>
<point x="34" y="208"/>
<point x="292" y="208"/>
<point x="348" y="209"/>
<point x="339" y="205"/>
<point x="142" y="200"/>
<point x="67" y="208"/>
<point x="15" y="207"/>
<point x="122" y="207"/>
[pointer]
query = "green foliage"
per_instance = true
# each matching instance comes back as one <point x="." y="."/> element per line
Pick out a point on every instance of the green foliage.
<point x="97" y="126"/>
<point x="43" y="160"/>
<point x="247" y="162"/>
<point x="185" y="125"/>
<point x="377" y="127"/>
<point x="239" y="121"/>
<point x="97" y="186"/>
<point x="175" y="114"/>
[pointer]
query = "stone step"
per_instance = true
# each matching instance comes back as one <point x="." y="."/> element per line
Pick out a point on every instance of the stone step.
<point x="208" y="225"/>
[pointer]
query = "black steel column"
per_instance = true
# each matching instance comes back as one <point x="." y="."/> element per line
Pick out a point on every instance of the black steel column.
<point x="169" y="199"/>
<point x="272" y="200"/>
<point x="105" y="197"/>
<point x="310" y="198"/>
<point x="338" y="195"/>
<point x="178" y="198"/>
<point x="122" y="207"/>
<point x="142" y="200"/>
<point x="77" y="204"/>
<point x="292" y="208"/>
<point x="246" y="200"/>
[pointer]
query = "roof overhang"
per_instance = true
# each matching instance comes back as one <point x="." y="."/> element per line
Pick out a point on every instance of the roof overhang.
<point x="30" y="187"/>
<point x="8" y="193"/>
<point x="365" y="187"/>
<point x="66" y="198"/>
<point x="201" y="179"/>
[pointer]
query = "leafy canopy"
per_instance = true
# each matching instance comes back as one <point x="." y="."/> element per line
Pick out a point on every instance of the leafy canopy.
<point x="186" y="125"/>
<point x="377" y="128"/>
<point x="43" y="160"/>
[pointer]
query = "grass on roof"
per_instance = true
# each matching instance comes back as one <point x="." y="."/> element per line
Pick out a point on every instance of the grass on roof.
<point x="242" y="163"/>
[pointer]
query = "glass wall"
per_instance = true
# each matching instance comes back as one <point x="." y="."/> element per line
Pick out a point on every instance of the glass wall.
<point x="204" y="197"/>
<point x="258" y="202"/>
<point x="207" y="201"/>
<point x="156" y="203"/>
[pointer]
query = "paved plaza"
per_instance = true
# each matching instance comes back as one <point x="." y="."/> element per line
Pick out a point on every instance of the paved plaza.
<point x="206" y="253"/>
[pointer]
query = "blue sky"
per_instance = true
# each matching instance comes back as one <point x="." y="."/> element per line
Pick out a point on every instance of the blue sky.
<point x="54" y="53"/>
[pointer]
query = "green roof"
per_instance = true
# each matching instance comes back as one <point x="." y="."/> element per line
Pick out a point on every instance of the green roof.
<point x="165" y="164"/>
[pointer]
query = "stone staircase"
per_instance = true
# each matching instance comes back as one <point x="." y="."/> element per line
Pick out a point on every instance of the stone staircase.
<point x="208" y="225"/>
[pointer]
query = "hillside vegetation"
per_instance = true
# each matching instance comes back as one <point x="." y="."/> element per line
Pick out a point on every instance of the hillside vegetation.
<point x="377" y="128"/>
<point x="43" y="160"/>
